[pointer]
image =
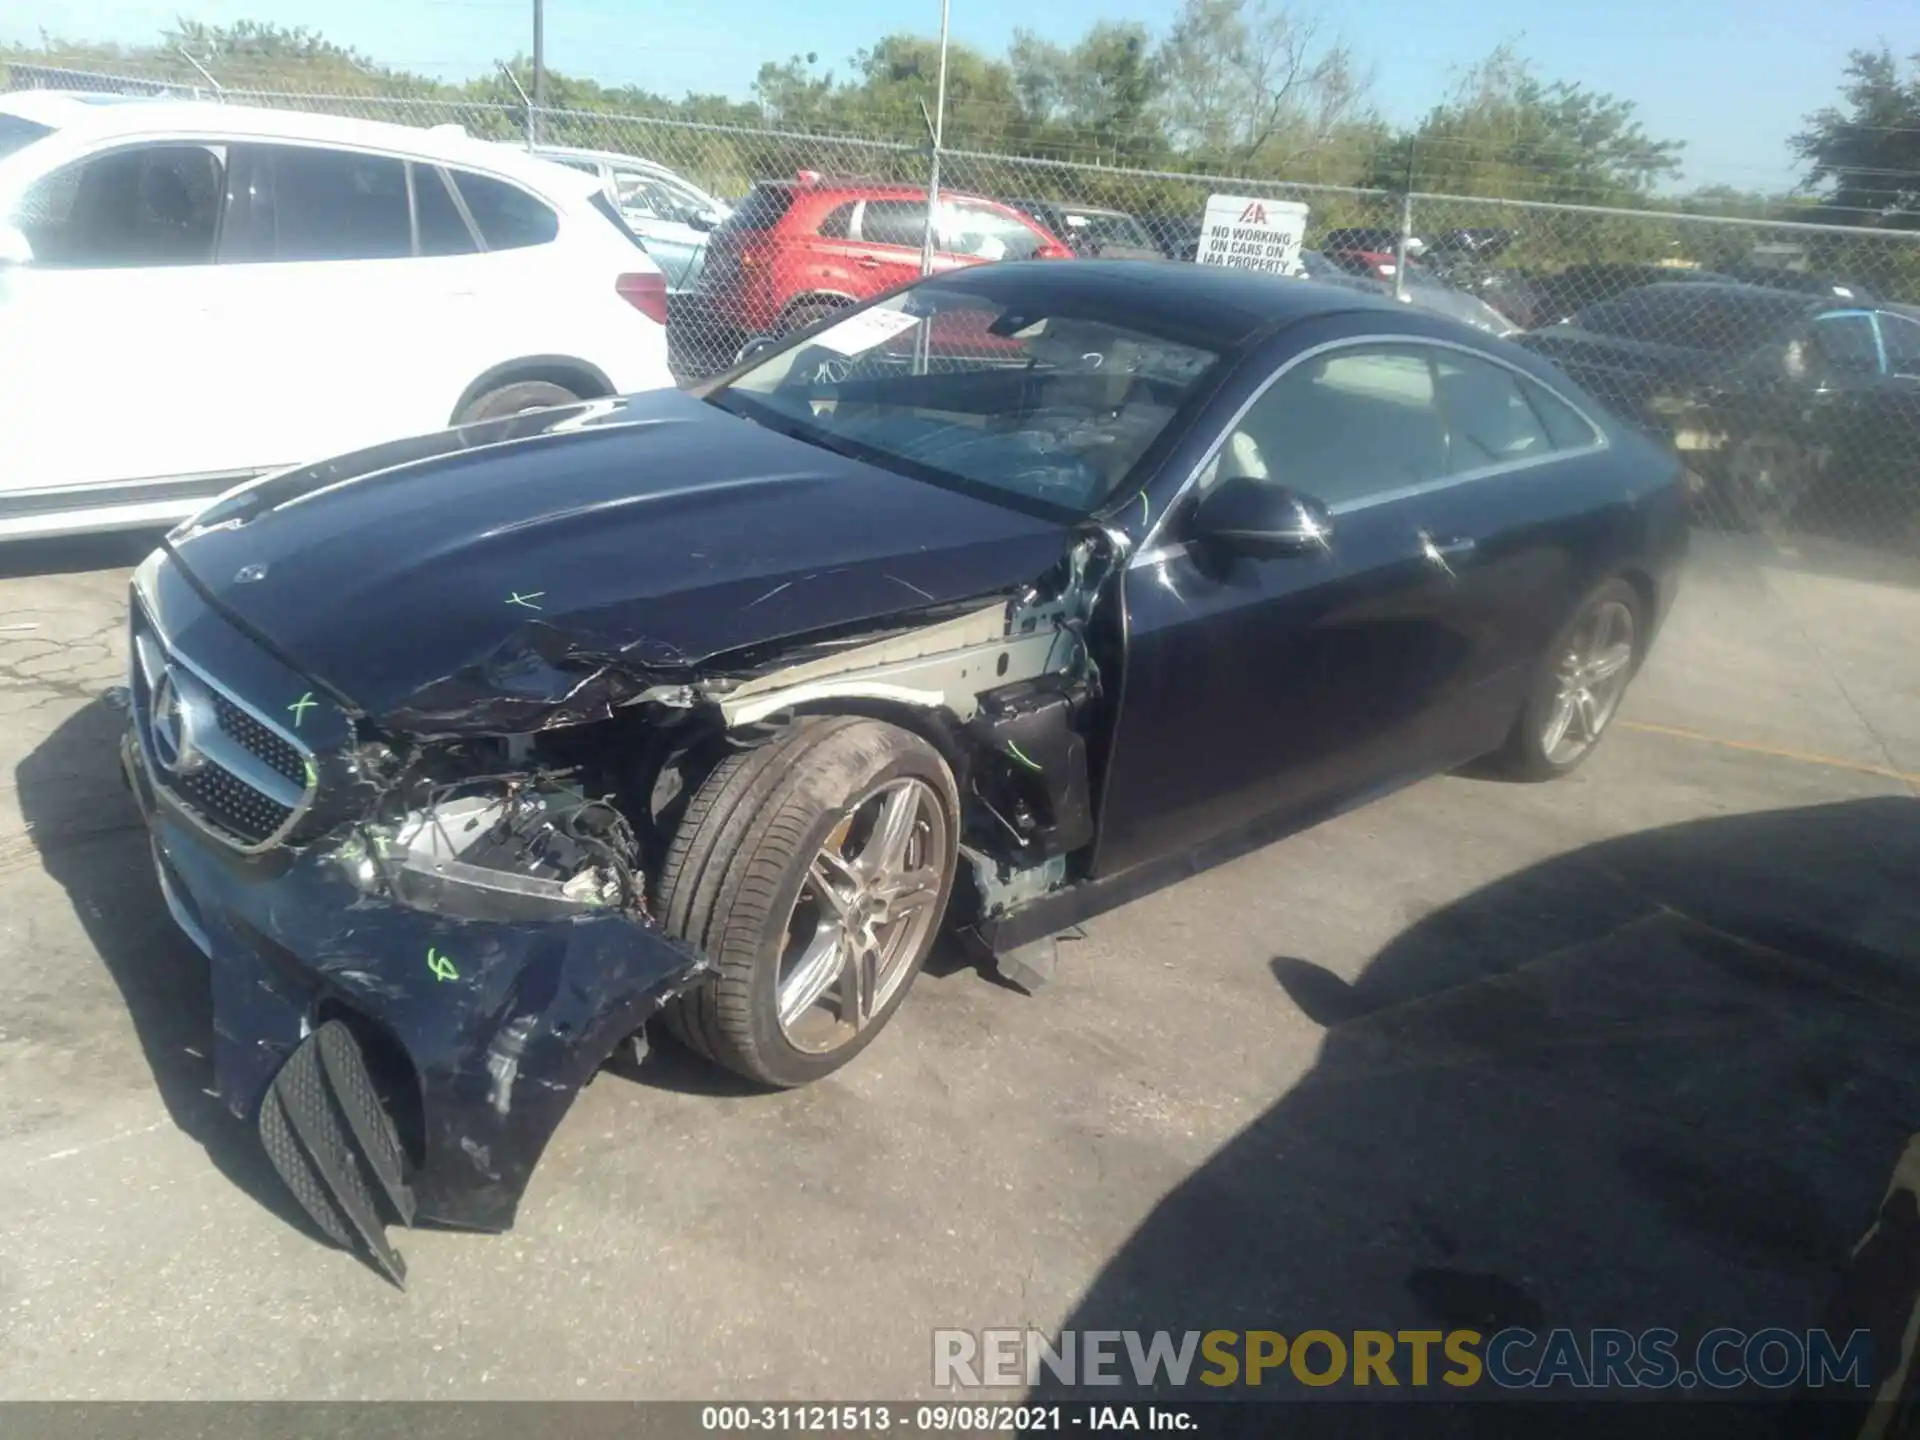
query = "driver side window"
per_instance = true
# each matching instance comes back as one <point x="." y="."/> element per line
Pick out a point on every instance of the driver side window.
<point x="1342" y="427"/>
<point x="1846" y="343"/>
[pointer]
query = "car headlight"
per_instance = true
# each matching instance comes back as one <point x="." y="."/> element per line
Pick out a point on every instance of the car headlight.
<point x="499" y="850"/>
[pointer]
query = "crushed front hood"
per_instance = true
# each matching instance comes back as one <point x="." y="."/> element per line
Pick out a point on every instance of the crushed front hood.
<point x="538" y="570"/>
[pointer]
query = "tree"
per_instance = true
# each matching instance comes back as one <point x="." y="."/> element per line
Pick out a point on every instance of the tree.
<point x="1507" y="134"/>
<point x="1249" y="81"/>
<point x="1095" y="98"/>
<point x="1866" y="159"/>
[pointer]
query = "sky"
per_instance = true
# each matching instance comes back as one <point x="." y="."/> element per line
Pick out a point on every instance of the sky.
<point x="1733" y="78"/>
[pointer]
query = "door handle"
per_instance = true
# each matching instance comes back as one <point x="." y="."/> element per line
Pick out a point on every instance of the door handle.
<point x="1443" y="552"/>
<point x="868" y="262"/>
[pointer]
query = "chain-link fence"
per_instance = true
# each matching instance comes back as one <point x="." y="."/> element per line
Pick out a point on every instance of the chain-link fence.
<point x="1781" y="361"/>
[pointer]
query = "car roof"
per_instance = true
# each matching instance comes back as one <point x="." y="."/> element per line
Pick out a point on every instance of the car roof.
<point x="1221" y="307"/>
<point x="1697" y="293"/>
<point x="97" y="117"/>
<point x="612" y="157"/>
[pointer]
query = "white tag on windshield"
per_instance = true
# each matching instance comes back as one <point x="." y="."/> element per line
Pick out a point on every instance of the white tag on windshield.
<point x="864" y="331"/>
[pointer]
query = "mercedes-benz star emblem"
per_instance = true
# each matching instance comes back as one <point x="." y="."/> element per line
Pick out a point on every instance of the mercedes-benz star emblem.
<point x="247" y="574"/>
<point x="173" y="740"/>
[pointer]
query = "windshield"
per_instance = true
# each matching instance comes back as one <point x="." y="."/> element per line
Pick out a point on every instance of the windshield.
<point x="1049" y="412"/>
<point x="17" y="134"/>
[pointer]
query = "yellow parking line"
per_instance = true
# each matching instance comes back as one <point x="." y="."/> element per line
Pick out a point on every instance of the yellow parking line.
<point x="1778" y="752"/>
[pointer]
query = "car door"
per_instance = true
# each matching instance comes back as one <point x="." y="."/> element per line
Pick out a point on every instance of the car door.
<point x="343" y="327"/>
<point x="114" y="370"/>
<point x="1261" y="693"/>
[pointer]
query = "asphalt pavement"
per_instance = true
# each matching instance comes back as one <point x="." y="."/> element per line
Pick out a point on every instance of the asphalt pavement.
<point x="1636" y="1048"/>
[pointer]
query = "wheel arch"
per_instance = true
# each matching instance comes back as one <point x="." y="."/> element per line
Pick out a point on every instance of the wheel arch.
<point x="838" y="299"/>
<point x="583" y="378"/>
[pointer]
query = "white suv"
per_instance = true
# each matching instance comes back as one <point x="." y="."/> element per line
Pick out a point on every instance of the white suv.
<point x="194" y="293"/>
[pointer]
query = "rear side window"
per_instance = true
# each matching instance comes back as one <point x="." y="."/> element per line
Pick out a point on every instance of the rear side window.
<point x="442" y="230"/>
<point x="1566" y="426"/>
<point x="304" y="203"/>
<point x="764" y="208"/>
<point x="509" y="218"/>
<point x="839" y="222"/>
<point x="1489" y="421"/>
<point x="147" y="205"/>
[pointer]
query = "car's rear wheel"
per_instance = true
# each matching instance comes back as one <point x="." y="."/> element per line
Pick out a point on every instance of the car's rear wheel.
<point x="1578" y="686"/>
<point x="810" y="313"/>
<point x="516" y="399"/>
<point x="814" y="871"/>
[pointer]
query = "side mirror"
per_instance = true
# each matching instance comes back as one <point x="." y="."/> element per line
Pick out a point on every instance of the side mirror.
<point x="14" y="247"/>
<point x="1246" y="516"/>
<point x="707" y="220"/>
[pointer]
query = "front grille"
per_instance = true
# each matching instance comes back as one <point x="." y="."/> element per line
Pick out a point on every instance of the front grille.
<point x="244" y="779"/>
<point x="282" y="754"/>
<point x="231" y="803"/>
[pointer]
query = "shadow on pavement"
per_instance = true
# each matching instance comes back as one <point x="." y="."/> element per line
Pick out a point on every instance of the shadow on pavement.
<point x="90" y="839"/>
<point x="1659" y="1081"/>
<point x="77" y="554"/>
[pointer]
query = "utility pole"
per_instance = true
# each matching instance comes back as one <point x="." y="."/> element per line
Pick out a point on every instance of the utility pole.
<point x="539" y="70"/>
<point x="939" y="133"/>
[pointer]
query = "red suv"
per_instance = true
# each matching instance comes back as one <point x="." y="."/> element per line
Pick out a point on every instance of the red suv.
<point x="794" y="250"/>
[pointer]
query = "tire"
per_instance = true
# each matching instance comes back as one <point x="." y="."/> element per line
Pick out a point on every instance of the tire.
<point x="516" y="399"/>
<point x="743" y="882"/>
<point x="1531" y="751"/>
<point x="1768" y="478"/>
<point x="808" y="313"/>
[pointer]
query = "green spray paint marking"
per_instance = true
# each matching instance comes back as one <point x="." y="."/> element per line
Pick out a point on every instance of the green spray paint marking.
<point x="526" y="600"/>
<point x="440" y="965"/>
<point x="300" y="707"/>
<point x="1021" y="756"/>
<point x="313" y="775"/>
<point x="1146" y="510"/>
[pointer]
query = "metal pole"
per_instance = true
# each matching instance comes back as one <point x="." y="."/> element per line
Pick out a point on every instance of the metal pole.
<point x="939" y="129"/>
<point x="539" y="71"/>
<point x="1406" y="231"/>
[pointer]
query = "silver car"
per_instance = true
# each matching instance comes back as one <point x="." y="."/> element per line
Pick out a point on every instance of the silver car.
<point x="671" y="215"/>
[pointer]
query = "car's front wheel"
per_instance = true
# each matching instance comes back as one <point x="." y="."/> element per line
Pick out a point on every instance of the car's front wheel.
<point x="516" y="399"/>
<point x="814" y="872"/>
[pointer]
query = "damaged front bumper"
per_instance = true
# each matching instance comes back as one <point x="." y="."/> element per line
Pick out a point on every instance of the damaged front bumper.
<point x="397" y="1060"/>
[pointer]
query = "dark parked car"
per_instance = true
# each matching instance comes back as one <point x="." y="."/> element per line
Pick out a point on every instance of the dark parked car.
<point x="1555" y="297"/>
<point x="466" y="756"/>
<point x="1090" y="232"/>
<point x="1420" y="290"/>
<point x="1178" y="236"/>
<point x="1830" y="287"/>
<point x="1778" y="399"/>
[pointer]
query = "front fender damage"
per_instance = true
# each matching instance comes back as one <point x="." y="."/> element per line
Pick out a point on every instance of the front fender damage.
<point x="489" y="941"/>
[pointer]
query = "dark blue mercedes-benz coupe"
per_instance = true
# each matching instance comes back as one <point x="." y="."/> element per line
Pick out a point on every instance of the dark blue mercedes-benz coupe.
<point x="989" y="604"/>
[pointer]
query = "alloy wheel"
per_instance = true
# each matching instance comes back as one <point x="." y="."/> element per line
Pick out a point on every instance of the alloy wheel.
<point x="863" y="913"/>
<point x="1589" y="680"/>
